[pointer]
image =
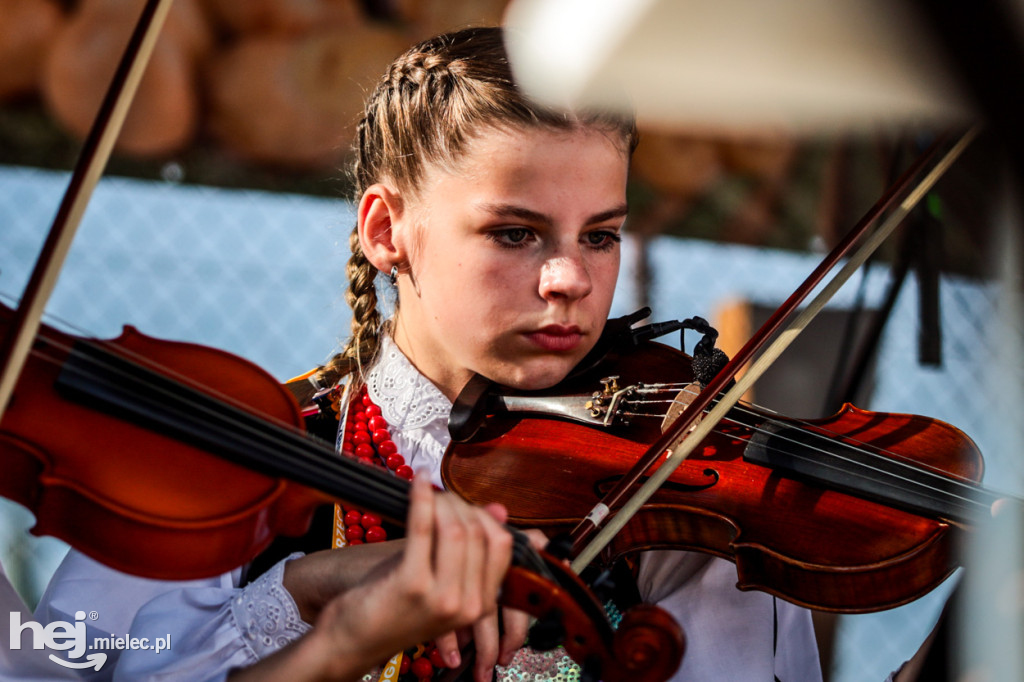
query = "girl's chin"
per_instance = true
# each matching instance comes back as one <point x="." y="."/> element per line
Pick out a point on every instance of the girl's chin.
<point x="536" y="375"/>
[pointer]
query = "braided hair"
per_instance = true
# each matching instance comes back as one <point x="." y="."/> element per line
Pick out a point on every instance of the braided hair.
<point x="425" y="109"/>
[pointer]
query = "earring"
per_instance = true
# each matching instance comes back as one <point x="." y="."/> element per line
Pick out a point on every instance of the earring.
<point x="394" y="275"/>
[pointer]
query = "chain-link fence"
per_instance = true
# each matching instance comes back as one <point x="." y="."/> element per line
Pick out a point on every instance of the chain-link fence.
<point x="262" y="275"/>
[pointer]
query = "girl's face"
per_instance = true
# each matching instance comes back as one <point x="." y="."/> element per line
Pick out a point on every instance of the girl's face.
<point x="508" y="263"/>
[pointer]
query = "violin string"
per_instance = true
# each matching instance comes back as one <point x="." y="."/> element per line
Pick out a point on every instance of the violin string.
<point x="742" y="407"/>
<point x="752" y="409"/>
<point x="308" y="457"/>
<point x="319" y="463"/>
<point x="148" y="363"/>
<point x="863" y="447"/>
<point x="312" y="459"/>
<point x="884" y="455"/>
<point x="295" y="451"/>
<point x="866" y="450"/>
<point x="867" y="472"/>
<point x="301" y="453"/>
<point x="143" y="362"/>
<point x="640" y="387"/>
<point x="314" y="462"/>
<point x="895" y="459"/>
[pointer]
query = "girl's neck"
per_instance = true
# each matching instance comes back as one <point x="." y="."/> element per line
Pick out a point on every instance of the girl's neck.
<point x="450" y="383"/>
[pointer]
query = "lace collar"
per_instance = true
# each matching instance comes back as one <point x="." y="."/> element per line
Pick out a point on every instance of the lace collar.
<point x="407" y="399"/>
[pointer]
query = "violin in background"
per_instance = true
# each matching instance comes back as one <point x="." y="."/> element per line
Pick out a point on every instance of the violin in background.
<point x="857" y="512"/>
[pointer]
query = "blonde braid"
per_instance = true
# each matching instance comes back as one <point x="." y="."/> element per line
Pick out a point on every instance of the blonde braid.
<point x="361" y="296"/>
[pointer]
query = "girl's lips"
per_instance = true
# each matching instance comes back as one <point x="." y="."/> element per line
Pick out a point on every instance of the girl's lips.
<point x="555" y="338"/>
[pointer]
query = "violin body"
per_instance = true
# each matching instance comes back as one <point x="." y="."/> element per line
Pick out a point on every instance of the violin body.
<point x="139" y="500"/>
<point x="808" y="543"/>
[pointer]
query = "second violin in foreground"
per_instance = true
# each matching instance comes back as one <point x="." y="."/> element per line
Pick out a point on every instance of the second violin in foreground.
<point x="176" y="461"/>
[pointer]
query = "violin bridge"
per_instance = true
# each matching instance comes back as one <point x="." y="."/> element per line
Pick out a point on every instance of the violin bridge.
<point x="679" y="403"/>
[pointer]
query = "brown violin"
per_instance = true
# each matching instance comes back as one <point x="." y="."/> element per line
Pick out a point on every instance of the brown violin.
<point x="176" y="461"/>
<point x="856" y="512"/>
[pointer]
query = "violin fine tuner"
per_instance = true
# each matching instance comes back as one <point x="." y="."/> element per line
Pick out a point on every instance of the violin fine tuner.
<point x="601" y="399"/>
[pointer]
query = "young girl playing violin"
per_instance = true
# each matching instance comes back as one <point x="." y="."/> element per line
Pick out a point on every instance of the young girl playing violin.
<point x="498" y="223"/>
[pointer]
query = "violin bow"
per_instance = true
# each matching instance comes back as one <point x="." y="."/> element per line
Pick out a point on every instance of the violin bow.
<point x="686" y="433"/>
<point x="90" y="165"/>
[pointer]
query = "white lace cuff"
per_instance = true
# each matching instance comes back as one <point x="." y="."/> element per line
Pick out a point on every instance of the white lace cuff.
<point x="266" y="614"/>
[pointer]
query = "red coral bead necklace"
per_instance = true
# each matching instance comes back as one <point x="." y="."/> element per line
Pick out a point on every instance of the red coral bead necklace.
<point x="367" y="438"/>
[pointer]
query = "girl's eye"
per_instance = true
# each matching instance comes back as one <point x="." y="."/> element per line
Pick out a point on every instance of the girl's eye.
<point x="603" y="239"/>
<point x="510" y="237"/>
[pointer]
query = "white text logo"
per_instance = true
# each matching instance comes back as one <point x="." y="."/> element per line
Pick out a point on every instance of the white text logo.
<point x="71" y="637"/>
<point x="60" y="636"/>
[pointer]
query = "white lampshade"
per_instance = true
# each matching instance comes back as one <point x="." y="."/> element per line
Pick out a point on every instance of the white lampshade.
<point x="805" y="65"/>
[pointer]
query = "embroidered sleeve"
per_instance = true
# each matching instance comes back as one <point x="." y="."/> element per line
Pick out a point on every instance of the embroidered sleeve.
<point x="266" y="614"/>
<point x="213" y="627"/>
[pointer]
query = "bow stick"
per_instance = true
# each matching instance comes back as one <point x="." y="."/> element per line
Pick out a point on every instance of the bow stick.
<point x="679" y="440"/>
<point x="88" y="169"/>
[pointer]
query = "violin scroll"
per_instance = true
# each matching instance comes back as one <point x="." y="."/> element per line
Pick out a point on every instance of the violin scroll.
<point x="644" y="636"/>
<point x="648" y="645"/>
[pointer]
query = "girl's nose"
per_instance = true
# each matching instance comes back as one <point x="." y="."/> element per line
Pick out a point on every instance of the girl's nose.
<point x="564" y="277"/>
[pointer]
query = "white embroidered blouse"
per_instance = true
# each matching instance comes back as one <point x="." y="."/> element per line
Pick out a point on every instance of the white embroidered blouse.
<point x="215" y="626"/>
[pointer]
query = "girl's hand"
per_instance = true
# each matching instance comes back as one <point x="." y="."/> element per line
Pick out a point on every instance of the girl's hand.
<point x="490" y="650"/>
<point x="445" y="577"/>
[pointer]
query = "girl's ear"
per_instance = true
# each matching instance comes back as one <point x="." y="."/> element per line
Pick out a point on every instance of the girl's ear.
<point x="380" y="209"/>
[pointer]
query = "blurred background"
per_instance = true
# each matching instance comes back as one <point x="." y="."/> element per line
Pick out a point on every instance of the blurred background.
<point x="224" y="219"/>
